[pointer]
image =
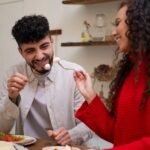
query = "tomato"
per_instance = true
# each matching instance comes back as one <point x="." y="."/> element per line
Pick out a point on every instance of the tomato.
<point x="8" y="138"/>
<point x="18" y="139"/>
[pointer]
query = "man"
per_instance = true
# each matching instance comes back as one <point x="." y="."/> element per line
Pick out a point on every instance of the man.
<point x="43" y="99"/>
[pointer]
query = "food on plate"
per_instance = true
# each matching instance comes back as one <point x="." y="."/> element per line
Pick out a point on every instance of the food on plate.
<point x="10" y="137"/>
<point x="60" y="148"/>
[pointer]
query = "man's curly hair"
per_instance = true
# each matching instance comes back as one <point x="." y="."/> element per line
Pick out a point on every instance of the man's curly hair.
<point x="30" y="29"/>
<point x="138" y="21"/>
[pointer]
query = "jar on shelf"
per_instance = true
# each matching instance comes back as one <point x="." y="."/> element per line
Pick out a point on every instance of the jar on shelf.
<point x="99" y="29"/>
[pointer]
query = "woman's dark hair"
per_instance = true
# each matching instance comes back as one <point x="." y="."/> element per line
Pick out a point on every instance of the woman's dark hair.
<point x="30" y="29"/>
<point x="138" y="21"/>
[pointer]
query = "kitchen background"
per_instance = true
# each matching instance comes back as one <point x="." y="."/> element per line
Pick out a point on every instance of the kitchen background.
<point x="68" y="18"/>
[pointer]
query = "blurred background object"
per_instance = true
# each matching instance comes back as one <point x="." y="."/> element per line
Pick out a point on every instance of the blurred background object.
<point x="103" y="73"/>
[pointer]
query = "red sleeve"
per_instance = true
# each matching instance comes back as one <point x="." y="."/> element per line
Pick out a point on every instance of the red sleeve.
<point x="142" y="144"/>
<point x="97" y="117"/>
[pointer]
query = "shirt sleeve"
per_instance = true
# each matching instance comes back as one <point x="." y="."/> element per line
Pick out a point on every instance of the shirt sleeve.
<point x="98" y="118"/>
<point x="142" y="144"/>
<point x="80" y="133"/>
<point x="8" y="110"/>
<point x="8" y="115"/>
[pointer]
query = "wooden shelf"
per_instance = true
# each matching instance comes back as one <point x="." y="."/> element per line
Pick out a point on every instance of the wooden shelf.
<point x="55" y="32"/>
<point x="85" y="1"/>
<point x="90" y="43"/>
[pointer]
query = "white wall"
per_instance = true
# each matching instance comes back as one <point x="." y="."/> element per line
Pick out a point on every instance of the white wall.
<point x="8" y="51"/>
<point x="67" y="17"/>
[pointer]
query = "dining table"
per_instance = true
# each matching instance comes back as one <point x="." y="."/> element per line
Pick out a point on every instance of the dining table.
<point x="41" y="143"/>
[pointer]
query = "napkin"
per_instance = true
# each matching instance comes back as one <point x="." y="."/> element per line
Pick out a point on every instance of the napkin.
<point x="11" y="146"/>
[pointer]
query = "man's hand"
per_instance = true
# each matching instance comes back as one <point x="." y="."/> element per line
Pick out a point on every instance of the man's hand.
<point x="61" y="135"/>
<point x="15" y="84"/>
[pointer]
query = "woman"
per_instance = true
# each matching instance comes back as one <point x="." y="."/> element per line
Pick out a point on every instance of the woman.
<point x="127" y="121"/>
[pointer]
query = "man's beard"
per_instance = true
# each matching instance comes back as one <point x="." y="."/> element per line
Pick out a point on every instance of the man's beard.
<point x="43" y="71"/>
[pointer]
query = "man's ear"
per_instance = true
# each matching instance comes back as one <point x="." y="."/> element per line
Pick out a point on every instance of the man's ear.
<point x="20" y="50"/>
<point x="52" y="40"/>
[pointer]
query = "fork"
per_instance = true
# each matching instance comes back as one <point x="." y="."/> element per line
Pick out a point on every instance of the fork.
<point x="15" y="147"/>
<point x="65" y="67"/>
<point x="58" y="62"/>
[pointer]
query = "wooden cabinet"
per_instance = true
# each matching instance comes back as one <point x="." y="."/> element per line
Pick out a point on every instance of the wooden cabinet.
<point x="90" y="43"/>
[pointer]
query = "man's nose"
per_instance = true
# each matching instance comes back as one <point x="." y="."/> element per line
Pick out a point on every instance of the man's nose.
<point x="39" y="55"/>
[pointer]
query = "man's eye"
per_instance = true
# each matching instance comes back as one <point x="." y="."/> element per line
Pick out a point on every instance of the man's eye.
<point x="29" y="51"/>
<point x="45" y="46"/>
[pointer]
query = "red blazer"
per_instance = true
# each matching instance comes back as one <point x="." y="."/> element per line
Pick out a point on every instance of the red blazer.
<point x="129" y="129"/>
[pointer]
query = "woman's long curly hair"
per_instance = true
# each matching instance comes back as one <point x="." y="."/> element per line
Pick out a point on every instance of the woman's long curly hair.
<point x="138" y="21"/>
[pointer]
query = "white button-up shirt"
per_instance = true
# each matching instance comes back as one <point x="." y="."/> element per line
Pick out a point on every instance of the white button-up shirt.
<point x="62" y="99"/>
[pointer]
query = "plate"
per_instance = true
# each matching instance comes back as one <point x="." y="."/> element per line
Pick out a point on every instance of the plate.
<point x="19" y="147"/>
<point x="60" y="148"/>
<point x="27" y="140"/>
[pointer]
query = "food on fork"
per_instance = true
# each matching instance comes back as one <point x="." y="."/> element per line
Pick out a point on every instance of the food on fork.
<point x="56" y="59"/>
<point x="48" y="66"/>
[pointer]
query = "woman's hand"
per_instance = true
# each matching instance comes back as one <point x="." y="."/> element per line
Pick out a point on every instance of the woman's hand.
<point x="84" y="84"/>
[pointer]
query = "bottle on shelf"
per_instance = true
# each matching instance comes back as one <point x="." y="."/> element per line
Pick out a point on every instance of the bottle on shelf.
<point x="85" y="35"/>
